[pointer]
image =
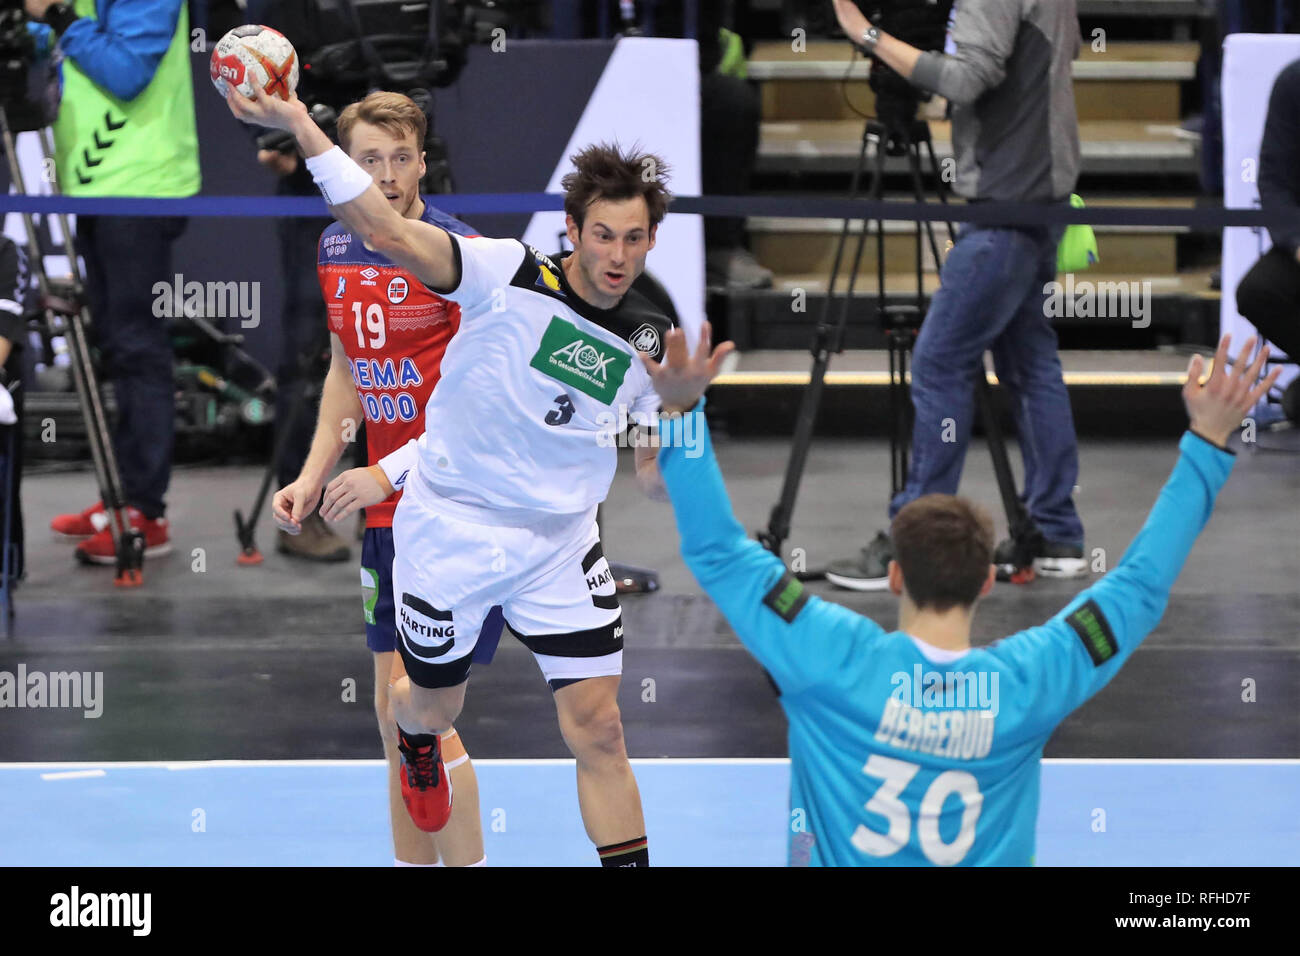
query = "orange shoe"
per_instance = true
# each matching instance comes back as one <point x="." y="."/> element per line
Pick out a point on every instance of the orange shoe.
<point x="426" y="786"/>
<point x="99" y="549"/>
<point x="91" y="521"/>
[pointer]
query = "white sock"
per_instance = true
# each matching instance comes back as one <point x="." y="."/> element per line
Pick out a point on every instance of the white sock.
<point x="397" y="862"/>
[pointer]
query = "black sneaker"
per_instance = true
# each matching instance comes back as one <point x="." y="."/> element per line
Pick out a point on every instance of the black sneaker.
<point x="870" y="572"/>
<point x="1014" y="558"/>
<point x="1020" y="564"/>
<point x="1058" y="560"/>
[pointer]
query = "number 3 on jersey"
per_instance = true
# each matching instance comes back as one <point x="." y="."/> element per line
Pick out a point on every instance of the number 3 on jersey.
<point x="374" y="324"/>
<point x="563" y="410"/>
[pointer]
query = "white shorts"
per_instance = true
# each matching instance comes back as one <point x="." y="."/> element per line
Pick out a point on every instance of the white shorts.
<point x="550" y="578"/>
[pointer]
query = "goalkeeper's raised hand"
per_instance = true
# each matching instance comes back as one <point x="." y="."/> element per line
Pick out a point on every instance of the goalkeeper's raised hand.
<point x="682" y="378"/>
<point x="1216" y="406"/>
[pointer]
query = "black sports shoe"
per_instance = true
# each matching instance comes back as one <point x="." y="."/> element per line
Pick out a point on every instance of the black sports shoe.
<point x="870" y="572"/>
<point x="1014" y="557"/>
<point x="1052" y="559"/>
<point x="1058" y="560"/>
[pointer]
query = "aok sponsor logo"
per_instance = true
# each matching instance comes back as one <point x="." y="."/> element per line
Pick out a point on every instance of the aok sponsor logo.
<point x="575" y="358"/>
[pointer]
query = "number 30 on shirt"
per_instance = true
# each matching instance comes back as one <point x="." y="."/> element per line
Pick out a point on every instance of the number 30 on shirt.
<point x="374" y="325"/>
<point x="895" y="775"/>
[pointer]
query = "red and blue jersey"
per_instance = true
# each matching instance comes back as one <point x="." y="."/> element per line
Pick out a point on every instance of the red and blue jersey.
<point x="394" y="331"/>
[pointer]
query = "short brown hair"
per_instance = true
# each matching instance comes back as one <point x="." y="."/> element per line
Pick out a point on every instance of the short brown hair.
<point x="604" y="171"/>
<point x="944" y="545"/>
<point x="394" y="113"/>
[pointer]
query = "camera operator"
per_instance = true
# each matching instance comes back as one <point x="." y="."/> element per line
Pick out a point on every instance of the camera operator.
<point x="1269" y="294"/>
<point x="1015" y="138"/>
<point x="126" y="128"/>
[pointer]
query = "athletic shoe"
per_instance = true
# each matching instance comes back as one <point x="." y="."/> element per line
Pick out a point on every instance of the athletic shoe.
<point x="91" y="521"/>
<point x="1059" y="560"/>
<point x="1051" y="559"/>
<point x="1014" y="559"/>
<point x="99" y="548"/>
<point x="426" y="786"/>
<point x="315" y="542"/>
<point x="870" y="572"/>
<point x="735" y="268"/>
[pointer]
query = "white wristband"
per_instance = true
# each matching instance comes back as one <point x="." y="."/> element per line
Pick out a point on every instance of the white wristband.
<point x="398" y="465"/>
<point x="339" y="179"/>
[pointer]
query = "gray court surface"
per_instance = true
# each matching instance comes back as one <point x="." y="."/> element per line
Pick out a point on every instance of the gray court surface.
<point x="214" y="661"/>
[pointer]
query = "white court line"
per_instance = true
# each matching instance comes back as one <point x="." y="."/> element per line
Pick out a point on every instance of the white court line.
<point x="73" y="774"/>
<point x="637" y="761"/>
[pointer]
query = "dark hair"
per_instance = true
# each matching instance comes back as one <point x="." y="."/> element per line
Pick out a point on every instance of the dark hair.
<point x="604" y="171"/>
<point x="395" y="113"/>
<point x="944" y="545"/>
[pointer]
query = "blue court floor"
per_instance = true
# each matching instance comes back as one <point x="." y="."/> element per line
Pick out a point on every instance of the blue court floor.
<point x="698" y="813"/>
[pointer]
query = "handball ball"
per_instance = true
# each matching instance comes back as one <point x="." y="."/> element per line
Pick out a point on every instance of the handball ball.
<point x="254" y="55"/>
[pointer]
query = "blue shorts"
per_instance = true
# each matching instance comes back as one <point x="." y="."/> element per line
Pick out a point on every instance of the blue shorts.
<point x="378" y="606"/>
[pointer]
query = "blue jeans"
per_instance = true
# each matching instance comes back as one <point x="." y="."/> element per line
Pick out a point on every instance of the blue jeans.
<point x="125" y="256"/>
<point x="991" y="298"/>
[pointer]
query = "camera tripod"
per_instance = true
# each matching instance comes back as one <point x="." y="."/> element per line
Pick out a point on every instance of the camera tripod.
<point x="897" y="133"/>
<point x="66" y="314"/>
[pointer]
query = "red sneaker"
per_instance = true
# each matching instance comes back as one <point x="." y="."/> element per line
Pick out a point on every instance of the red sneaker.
<point x="426" y="787"/>
<point x="91" y="521"/>
<point x="99" y="549"/>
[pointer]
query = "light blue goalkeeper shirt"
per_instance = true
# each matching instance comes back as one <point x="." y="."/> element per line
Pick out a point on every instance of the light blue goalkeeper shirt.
<point x="902" y="754"/>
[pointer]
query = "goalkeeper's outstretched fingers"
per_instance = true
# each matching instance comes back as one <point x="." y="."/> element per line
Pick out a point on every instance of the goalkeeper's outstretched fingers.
<point x="1216" y="406"/>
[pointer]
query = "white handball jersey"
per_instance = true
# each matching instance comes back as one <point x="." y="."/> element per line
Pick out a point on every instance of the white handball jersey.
<point x="535" y="385"/>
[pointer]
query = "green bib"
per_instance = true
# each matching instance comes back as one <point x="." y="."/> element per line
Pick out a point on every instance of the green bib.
<point x="104" y="146"/>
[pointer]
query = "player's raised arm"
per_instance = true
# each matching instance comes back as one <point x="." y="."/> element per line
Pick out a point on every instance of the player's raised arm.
<point x="1080" y="650"/>
<point x="799" y="639"/>
<point x="423" y="249"/>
